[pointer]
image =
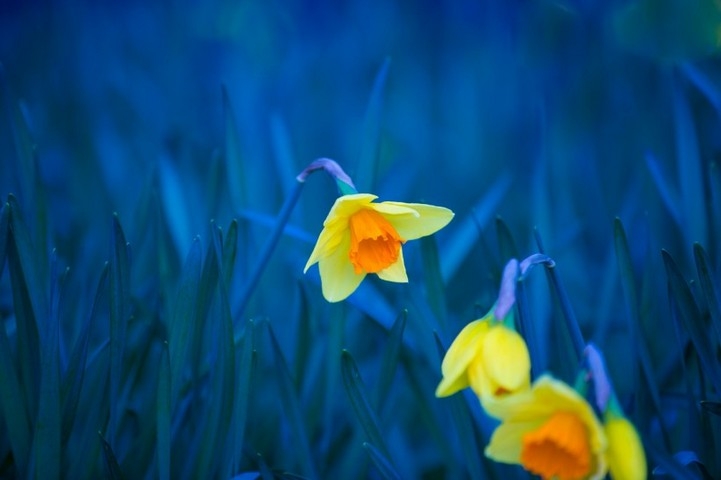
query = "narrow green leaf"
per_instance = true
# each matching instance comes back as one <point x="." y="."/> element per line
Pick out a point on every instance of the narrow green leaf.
<point x="463" y="423"/>
<point x="74" y="376"/>
<point x="24" y="146"/>
<point x="46" y="441"/>
<point x="211" y="449"/>
<point x="389" y="363"/>
<point x="689" y="168"/>
<point x="291" y="407"/>
<point x="246" y="360"/>
<point x="230" y="251"/>
<point x="711" y="407"/>
<point x="506" y="245"/>
<point x="28" y="342"/>
<point x="304" y="335"/>
<point x="370" y="139"/>
<point x="386" y="469"/>
<point x="4" y="215"/>
<point x="637" y="342"/>
<point x="163" y="415"/>
<point x="464" y="235"/>
<point x="358" y="397"/>
<point x="283" y="150"/>
<point x="14" y="408"/>
<point x="119" y="311"/>
<point x="432" y="278"/>
<point x="692" y="321"/>
<point x="111" y="462"/>
<point x="669" y="195"/>
<point x="184" y="319"/>
<point x="709" y="289"/>
<point x="237" y="176"/>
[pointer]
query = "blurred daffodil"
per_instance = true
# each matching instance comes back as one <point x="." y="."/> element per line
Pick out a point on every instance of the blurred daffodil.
<point x="551" y="431"/>
<point x="361" y="237"/>
<point x="625" y="455"/>
<point x="489" y="357"/>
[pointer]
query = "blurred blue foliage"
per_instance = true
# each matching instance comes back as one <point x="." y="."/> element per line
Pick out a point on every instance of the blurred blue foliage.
<point x="557" y="116"/>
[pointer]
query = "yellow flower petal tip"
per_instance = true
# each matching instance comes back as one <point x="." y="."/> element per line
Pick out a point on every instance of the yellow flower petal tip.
<point x="361" y="237"/>
<point x="551" y="431"/>
<point x="490" y="358"/>
<point x="626" y="457"/>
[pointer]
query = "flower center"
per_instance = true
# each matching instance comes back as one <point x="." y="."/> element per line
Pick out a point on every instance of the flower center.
<point x="374" y="243"/>
<point x="558" y="449"/>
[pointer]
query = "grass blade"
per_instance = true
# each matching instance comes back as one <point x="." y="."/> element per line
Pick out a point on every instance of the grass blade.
<point x="692" y="320"/>
<point x="163" y="415"/>
<point x="365" y="175"/>
<point x="389" y="363"/>
<point x="28" y="342"/>
<point x="463" y="423"/>
<point x="506" y="245"/>
<point x="708" y="288"/>
<point x="637" y="342"/>
<point x="356" y="391"/>
<point x="237" y="176"/>
<point x="75" y="374"/>
<point x="119" y="311"/>
<point x="4" y="215"/>
<point x="291" y="407"/>
<point x="247" y="358"/>
<point x="111" y="463"/>
<point x="46" y="441"/>
<point x="465" y="234"/>
<point x="689" y="169"/>
<point x="15" y="410"/>
<point x="182" y="327"/>
<point x="386" y="469"/>
<point x="432" y="278"/>
<point x="230" y="251"/>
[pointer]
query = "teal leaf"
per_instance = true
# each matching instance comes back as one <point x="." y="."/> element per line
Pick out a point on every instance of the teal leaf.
<point x="246" y="358"/>
<point x="637" y="343"/>
<point x="111" y="462"/>
<point x="506" y="245"/>
<point x="14" y="408"/>
<point x="358" y="397"/>
<point x="711" y="407"/>
<point x="291" y="407"/>
<point x="692" y="321"/>
<point x="46" y="440"/>
<point x="119" y="312"/>
<point x="4" y="216"/>
<point x="463" y="423"/>
<point x="386" y="469"/>
<point x="184" y="319"/>
<point x="365" y="174"/>
<point x="709" y="289"/>
<point x="389" y="362"/>
<point x="237" y="176"/>
<point x="230" y="251"/>
<point x="432" y="277"/>
<point x="162" y="415"/>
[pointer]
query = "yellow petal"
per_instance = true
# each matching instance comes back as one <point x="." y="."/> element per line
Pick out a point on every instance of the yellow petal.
<point x="347" y="205"/>
<point x="626" y="458"/>
<point x="506" y="359"/>
<point x="507" y="440"/>
<point x="338" y="279"/>
<point x="427" y="219"/>
<point x="459" y="356"/>
<point x="396" y="272"/>
<point x="328" y="241"/>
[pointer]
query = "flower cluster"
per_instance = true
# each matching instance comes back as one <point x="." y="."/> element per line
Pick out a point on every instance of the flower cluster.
<point x="546" y="426"/>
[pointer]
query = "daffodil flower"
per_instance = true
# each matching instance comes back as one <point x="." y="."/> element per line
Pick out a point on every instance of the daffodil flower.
<point x="361" y="237"/>
<point x="625" y="455"/>
<point x="489" y="357"/>
<point x="551" y="431"/>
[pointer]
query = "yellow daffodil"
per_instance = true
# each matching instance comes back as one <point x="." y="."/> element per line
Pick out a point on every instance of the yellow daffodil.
<point x="489" y="357"/>
<point x="626" y="458"/>
<point x="361" y="237"/>
<point x="551" y="431"/>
